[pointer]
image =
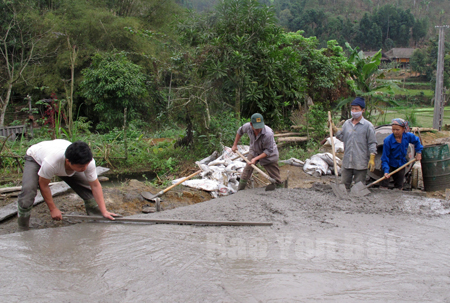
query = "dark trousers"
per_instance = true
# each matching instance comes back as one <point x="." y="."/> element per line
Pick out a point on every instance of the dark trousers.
<point x="273" y="170"/>
<point x="399" y="178"/>
<point x="30" y="184"/>
<point x="349" y="175"/>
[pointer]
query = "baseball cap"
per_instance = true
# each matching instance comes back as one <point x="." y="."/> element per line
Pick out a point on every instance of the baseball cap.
<point x="257" y="121"/>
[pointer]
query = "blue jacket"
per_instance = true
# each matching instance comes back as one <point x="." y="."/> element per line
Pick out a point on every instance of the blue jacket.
<point x="394" y="153"/>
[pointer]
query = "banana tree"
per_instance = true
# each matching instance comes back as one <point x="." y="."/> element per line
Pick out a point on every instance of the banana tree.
<point x="365" y="83"/>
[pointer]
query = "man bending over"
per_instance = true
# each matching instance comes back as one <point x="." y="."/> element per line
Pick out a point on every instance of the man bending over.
<point x="74" y="164"/>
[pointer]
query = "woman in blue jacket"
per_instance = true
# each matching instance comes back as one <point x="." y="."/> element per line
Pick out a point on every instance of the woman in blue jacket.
<point x="394" y="152"/>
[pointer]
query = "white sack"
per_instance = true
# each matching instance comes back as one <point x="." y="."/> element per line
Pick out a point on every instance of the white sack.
<point x="293" y="161"/>
<point x="338" y="144"/>
<point x="219" y="177"/>
<point x="321" y="164"/>
<point x="210" y="158"/>
<point x="315" y="166"/>
<point x="327" y="157"/>
<point x="234" y="166"/>
<point x="227" y="155"/>
<point x="205" y="184"/>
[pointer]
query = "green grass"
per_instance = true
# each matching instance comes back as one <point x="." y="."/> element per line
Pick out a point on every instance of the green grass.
<point x="410" y="92"/>
<point x="424" y="116"/>
<point x="400" y="82"/>
<point x="414" y="83"/>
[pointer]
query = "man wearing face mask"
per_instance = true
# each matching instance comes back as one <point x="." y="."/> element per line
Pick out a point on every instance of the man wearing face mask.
<point x="360" y="145"/>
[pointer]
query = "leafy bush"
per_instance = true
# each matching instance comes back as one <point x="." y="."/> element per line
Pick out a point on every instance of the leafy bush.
<point x="113" y="83"/>
<point x="317" y="121"/>
<point x="82" y="125"/>
<point x="172" y="131"/>
<point x="301" y="152"/>
<point x="222" y="132"/>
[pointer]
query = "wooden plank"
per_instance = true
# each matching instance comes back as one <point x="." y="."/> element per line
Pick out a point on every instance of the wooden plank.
<point x="286" y="135"/>
<point x="171" y="221"/>
<point x="100" y="170"/>
<point x="11" y="209"/>
<point x="293" y="139"/>
<point x="10" y="189"/>
<point x="423" y="129"/>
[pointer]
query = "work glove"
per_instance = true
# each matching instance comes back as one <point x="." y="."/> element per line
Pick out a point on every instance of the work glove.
<point x="371" y="165"/>
<point x="333" y="127"/>
<point x="418" y="156"/>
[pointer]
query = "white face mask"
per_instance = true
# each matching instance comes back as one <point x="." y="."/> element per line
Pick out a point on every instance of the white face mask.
<point x="356" y="115"/>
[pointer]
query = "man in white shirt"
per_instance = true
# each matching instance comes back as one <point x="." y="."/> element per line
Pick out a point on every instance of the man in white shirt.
<point x="74" y="164"/>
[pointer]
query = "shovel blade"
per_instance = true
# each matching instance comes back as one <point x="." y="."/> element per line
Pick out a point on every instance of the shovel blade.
<point x="149" y="196"/>
<point x="359" y="190"/>
<point x="339" y="190"/>
<point x="270" y="187"/>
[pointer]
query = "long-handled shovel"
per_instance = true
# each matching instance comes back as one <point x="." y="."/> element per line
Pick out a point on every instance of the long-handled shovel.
<point x="339" y="189"/>
<point x="149" y="196"/>
<point x="360" y="190"/>
<point x="271" y="186"/>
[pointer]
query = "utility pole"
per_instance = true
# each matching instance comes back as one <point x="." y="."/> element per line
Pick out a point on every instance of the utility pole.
<point x="438" y="95"/>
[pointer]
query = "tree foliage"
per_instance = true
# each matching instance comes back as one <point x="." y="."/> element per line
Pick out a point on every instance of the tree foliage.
<point x="113" y="83"/>
<point x="386" y="26"/>
<point x="424" y="61"/>
<point x="166" y="65"/>
<point x="21" y="35"/>
<point x="365" y="74"/>
<point x="256" y="67"/>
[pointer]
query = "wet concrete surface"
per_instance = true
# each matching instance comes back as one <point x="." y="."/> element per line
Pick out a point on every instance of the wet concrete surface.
<point x="386" y="247"/>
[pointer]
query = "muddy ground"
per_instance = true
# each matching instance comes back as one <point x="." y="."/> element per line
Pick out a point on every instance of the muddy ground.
<point x="391" y="246"/>
<point x="126" y="200"/>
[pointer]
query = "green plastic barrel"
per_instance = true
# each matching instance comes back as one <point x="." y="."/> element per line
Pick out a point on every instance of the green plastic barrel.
<point x="436" y="167"/>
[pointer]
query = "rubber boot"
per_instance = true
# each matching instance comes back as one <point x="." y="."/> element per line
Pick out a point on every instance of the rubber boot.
<point x="23" y="223"/>
<point x="92" y="208"/>
<point x="242" y="184"/>
<point x="283" y="184"/>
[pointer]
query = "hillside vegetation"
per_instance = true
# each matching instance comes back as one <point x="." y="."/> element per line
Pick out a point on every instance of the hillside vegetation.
<point x="370" y="24"/>
<point x="132" y="70"/>
<point x="352" y="9"/>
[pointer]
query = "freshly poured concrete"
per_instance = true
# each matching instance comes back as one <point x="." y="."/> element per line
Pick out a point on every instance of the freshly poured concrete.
<point x="387" y="247"/>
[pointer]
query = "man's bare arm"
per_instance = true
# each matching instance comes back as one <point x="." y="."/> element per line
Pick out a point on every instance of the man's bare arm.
<point x="97" y="191"/>
<point x="47" y="195"/>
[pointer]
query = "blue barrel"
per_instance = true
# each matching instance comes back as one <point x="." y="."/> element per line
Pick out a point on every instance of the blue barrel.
<point x="436" y="167"/>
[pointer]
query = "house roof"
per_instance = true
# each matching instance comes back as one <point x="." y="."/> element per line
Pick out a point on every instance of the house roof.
<point x="400" y="53"/>
<point x="371" y="54"/>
